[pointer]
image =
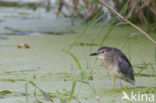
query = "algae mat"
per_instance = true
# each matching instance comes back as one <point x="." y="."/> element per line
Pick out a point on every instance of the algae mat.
<point x="52" y="70"/>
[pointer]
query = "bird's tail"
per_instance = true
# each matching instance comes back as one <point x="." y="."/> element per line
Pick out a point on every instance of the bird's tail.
<point x="131" y="79"/>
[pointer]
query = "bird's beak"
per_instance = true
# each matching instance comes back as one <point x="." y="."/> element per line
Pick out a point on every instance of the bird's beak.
<point x="94" y="54"/>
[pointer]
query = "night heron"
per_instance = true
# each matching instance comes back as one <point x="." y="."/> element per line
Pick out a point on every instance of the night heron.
<point x="116" y="64"/>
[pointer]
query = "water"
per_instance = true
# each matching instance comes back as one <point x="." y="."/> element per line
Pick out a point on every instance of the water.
<point x="27" y="20"/>
<point x="54" y="70"/>
<point x="50" y="68"/>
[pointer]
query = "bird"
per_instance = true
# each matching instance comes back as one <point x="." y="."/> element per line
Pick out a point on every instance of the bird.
<point x="116" y="63"/>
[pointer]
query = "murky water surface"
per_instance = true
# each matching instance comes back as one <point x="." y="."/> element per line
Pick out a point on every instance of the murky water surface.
<point x="51" y="69"/>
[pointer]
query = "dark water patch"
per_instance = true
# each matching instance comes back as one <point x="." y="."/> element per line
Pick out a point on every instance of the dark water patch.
<point x="40" y="33"/>
<point x="19" y="4"/>
<point x="9" y="72"/>
<point x="8" y="4"/>
<point x="30" y="70"/>
<point x="15" y="72"/>
<point x="30" y="33"/>
<point x="12" y="80"/>
<point x="4" y="38"/>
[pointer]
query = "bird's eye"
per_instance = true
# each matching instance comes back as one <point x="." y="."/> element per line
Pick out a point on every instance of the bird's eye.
<point x="102" y="51"/>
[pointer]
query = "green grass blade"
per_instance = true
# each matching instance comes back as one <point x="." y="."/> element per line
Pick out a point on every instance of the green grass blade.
<point x="106" y="35"/>
<point x="72" y="91"/>
<point x="82" y="75"/>
<point x="91" y="23"/>
<point x="97" y="19"/>
<point x="155" y="54"/>
<point x="78" y="64"/>
<point x="32" y="83"/>
<point x="125" y="44"/>
<point x="45" y="95"/>
<point x="99" y="30"/>
<point x="35" y="95"/>
<point x="26" y="91"/>
<point x="129" y="38"/>
<point x="75" y="59"/>
<point x="125" y="7"/>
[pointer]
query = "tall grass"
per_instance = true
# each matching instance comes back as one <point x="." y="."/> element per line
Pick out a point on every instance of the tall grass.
<point x="142" y="11"/>
<point x="99" y="30"/>
<point x="124" y="7"/>
<point x="75" y="59"/>
<point x="72" y="91"/>
<point x="82" y="73"/>
<point x="90" y="24"/>
<point x="82" y="76"/>
<point x="44" y="94"/>
<point x="96" y="18"/>
<point x="155" y="54"/>
<point x="106" y="35"/>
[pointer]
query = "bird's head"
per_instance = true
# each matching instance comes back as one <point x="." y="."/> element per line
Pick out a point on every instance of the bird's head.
<point x="101" y="52"/>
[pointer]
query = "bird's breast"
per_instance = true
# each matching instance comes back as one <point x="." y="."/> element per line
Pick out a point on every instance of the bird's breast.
<point x="112" y="68"/>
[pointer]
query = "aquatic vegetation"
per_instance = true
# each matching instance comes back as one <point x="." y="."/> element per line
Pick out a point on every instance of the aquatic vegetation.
<point x="56" y="75"/>
<point x="106" y="35"/>
<point x="90" y="24"/>
<point x="56" y="80"/>
<point x="140" y="11"/>
<point x="35" y="92"/>
<point x="12" y="80"/>
<point x="5" y="92"/>
<point x="72" y="91"/>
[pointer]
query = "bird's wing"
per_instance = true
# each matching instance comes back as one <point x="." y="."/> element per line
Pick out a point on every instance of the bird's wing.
<point x="122" y="55"/>
<point x="124" y="65"/>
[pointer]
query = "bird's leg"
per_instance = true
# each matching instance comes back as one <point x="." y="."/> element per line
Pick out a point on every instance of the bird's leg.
<point x="114" y="79"/>
<point x="120" y="83"/>
<point x="125" y="84"/>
